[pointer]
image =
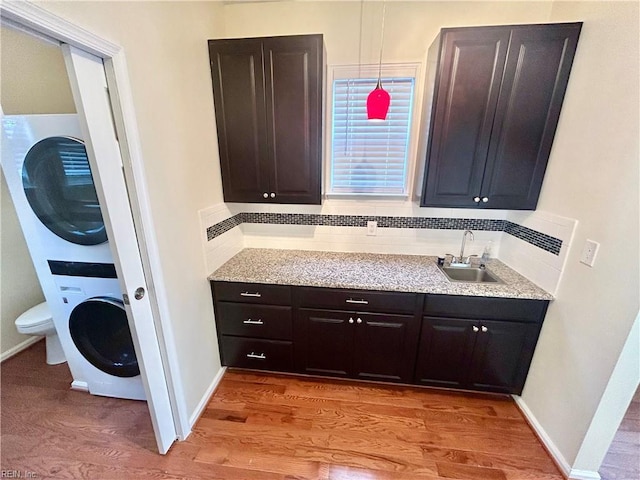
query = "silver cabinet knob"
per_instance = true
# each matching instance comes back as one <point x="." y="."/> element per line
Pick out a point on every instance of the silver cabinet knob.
<point x="485" y="199"/>
<point x="265" y="195"/>
<point x="359" y="320"/>
<point x="475" y="329"/>
<point x="139" y="293"/>
<point x="476" y="199"/>
<point x="273" y="195"/>
<point x="351" y="320"/>
<point x="484" y="329"/>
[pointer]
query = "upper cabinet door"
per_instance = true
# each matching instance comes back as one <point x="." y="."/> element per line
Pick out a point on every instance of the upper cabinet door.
<point x="496" y="103"/>
<point x="535" y="79"/>
<point x="238" y="90"/>
<point x="293" y="67"/>
<point x="268" y="102"/>
<point x="471" y="62"/>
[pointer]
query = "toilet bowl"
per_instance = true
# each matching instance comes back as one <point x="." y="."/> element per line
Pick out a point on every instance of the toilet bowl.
<point x="38" y="321"/>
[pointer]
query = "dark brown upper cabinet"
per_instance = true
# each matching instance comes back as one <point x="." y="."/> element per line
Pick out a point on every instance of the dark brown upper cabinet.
<point x="268" y="106"/>
<point x="495" y="102"/>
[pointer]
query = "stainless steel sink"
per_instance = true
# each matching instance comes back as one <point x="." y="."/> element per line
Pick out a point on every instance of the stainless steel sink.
<point x="469" y="275"/>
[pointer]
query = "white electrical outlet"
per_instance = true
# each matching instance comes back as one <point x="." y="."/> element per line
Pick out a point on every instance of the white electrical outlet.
<point x="589" y="252"/>
<point x="372" y="228"/>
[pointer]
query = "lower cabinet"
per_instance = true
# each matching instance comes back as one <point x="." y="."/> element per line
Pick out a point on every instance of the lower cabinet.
<point x="367" y="346"/>
<point x="491" y="351"/>
<point x="472" y="343"/>
<point x="254" y="324"/>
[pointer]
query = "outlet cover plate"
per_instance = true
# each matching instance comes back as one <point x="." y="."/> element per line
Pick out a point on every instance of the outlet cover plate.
<point x="589" y="252"/>
<point x="372" y="228"/>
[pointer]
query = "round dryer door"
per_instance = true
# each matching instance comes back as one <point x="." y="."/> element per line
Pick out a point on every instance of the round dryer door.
<point x="59" y="187"/>
<point x="100" y="331"/>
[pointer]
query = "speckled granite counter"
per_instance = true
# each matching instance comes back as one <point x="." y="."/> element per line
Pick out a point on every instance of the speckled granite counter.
<point x="367" y="271"/>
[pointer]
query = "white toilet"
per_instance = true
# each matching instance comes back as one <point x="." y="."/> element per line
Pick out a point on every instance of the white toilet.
<point x="38" y="321"/>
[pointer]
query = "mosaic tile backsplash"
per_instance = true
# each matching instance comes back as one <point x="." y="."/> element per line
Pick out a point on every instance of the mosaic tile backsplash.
<point x="538" y="239"/>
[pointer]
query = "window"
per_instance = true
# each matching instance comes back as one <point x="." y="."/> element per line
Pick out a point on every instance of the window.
<point x="370" y="157"/>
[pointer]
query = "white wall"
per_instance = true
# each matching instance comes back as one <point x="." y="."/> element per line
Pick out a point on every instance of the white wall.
<point x="39" y="85"/>
<point x="19" y="286"/>
<point x="166" y="48"/>
<point x="593" y="177"/>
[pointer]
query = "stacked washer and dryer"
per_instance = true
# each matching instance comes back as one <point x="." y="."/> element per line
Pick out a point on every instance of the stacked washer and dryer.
<point x="49" y="178"/>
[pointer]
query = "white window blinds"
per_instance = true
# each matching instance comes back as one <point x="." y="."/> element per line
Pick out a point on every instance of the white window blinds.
<point x="370" y="157"/>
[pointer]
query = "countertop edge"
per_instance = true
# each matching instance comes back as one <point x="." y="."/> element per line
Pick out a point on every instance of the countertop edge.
<point x="262" y="265"/>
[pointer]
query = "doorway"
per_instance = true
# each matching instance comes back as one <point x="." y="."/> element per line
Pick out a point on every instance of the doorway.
<point x="623" y="458"/>
<point x="88" y="76"/>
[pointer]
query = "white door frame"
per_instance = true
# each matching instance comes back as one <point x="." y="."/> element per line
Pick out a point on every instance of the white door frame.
<point x="41" y="22"/>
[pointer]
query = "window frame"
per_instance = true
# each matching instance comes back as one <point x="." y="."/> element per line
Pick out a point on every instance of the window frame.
<point x="339" y="72"/>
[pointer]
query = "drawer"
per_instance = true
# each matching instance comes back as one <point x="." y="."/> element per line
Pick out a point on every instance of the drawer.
<point x="359" y="300"/>
<point x="257" y="353"/>
<point x="252" y="293"/>
<point x="260" y="321"/>
<point x="485" y="308"/>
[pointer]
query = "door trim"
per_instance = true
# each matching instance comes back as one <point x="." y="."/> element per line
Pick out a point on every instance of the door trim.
<point x="42" y="23"/>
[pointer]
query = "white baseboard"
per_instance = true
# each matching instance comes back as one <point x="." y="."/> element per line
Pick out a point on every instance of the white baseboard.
<point x="205" y="400"/>
<point x="571" y="474"/>
<point x="543" y="436"/>
<point x="583" y="475"/>
<point x="20" y="347"/>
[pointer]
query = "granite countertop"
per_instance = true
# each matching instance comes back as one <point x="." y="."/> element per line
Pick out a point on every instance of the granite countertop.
<point x="367" y="271"/>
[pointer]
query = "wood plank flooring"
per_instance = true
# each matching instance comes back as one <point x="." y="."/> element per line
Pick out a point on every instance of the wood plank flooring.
<point x="266" y="427"/>
<point x="622" y="461"/>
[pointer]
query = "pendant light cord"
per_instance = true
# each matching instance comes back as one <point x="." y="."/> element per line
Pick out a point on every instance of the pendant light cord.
<point x="384" y="8"/>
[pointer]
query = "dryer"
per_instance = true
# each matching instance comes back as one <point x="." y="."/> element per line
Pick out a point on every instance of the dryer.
<point x="47" y="170"/>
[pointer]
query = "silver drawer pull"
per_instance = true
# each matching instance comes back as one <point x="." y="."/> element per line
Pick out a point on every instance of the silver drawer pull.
<point x="248" y="294"/>
<point x="359" y="302"/>
<point x="248" y="321"/>
<point x="259" y="356"/>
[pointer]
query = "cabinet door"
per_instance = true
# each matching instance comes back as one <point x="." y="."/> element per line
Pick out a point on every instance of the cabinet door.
<point x="294" y="76"/>
<point x="535" y="79"/>
<point x="323" y="341"/>
<point x="445" y="350"/>
<point x="238" y="91"/>
<point x="467" y="86"/>
<point x="385" y="347"/>
<point x="502" y="355"/>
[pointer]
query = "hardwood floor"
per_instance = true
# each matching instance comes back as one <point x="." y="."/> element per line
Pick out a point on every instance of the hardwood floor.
<point x="266" y="427"/>
<point x="622" y="461"/>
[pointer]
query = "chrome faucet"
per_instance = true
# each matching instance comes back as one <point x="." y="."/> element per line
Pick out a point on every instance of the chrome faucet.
<point x="461" y="261"/>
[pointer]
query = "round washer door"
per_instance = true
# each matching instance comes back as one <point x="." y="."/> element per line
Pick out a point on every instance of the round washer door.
<point x="59" y="187"/>
<point x="100" y="330"/>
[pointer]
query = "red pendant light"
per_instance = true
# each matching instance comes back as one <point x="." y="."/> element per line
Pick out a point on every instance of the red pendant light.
<point x="379" y="99"/>
<point x="378" y="103"/>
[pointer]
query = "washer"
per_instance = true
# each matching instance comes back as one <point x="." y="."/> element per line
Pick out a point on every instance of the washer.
<point x="48" y="174"/>
<point x="94" y="330"/>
